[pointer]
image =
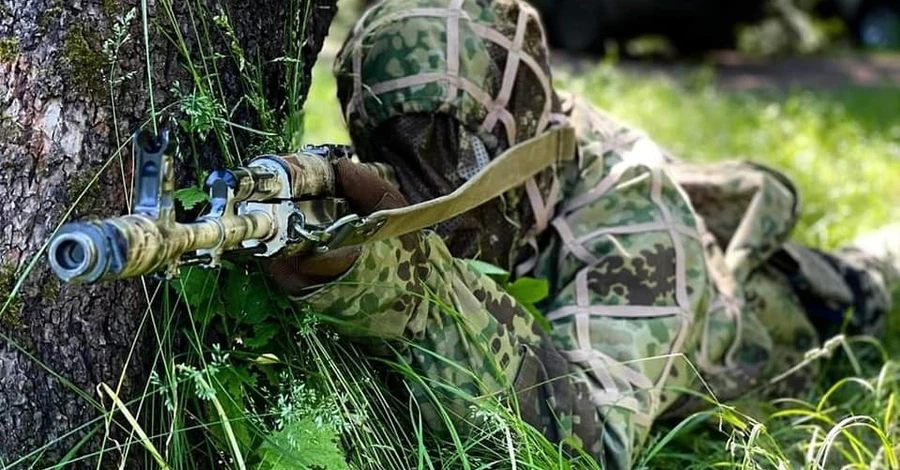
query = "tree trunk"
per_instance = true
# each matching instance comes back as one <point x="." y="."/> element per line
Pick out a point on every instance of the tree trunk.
<point x="56" y="133"/>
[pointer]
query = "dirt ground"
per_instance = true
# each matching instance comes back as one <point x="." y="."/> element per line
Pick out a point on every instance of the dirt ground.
<point x="740" y="72"/>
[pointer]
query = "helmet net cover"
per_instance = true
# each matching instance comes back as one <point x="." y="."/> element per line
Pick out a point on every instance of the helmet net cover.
<point x="431" y="86"/>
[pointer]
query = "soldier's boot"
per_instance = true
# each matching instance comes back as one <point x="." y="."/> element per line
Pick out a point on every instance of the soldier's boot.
<point x="871" y="267"/>
<point x="884" y="246"/>
<point x="850" y="290"/>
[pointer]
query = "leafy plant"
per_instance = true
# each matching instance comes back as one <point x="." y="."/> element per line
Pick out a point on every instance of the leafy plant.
<point x="302" y="444"/>
<point x="528" y="291"/>
<point x="191" y="197"/>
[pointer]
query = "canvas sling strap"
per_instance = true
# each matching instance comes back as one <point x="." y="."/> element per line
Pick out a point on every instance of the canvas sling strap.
<point x="509" y="170"/>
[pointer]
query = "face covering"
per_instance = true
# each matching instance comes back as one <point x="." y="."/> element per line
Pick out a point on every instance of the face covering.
<point x="433" y="155"/>
<point x="437" y="92"/>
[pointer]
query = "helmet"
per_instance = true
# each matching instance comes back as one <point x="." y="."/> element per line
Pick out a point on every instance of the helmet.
<point x="437" y="88"/>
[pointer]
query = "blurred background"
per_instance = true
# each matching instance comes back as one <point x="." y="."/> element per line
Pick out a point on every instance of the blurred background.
<point x="696" y="26"/>
<point x="807" y="86"/>
<point x="691" y="27"/>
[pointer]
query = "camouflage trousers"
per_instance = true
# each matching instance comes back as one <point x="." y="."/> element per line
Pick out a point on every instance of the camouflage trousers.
<point x="785" y="299"/>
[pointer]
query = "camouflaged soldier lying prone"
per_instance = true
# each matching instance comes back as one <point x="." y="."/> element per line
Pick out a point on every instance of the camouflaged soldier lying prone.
<point x="649" y="258"/>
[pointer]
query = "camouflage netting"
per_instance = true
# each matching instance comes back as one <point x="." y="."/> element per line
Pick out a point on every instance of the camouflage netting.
<point x="440" y="109"/>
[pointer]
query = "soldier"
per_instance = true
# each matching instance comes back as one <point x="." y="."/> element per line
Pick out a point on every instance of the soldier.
<point x="653" y="263"/>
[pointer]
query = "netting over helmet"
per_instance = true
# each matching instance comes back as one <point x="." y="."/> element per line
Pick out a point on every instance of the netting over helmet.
<point x="482" y="62"/>
<point x="437" y="88"/>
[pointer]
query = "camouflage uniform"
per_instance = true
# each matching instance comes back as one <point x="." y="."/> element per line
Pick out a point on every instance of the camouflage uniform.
<point x="654" y="264"/>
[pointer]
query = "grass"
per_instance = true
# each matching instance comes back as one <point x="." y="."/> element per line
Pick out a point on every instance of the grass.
<point x="284" y="392"/>
<point x="841" y="147"/>
<point x="324" y="119"/>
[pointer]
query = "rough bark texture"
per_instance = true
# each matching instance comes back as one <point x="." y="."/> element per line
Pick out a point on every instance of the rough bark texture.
<point x="56" y="132"/>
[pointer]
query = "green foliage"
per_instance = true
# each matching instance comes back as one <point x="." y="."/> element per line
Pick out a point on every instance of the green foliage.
<point x="528" y="291"/>
<point x="9" y="49"/>
<point x="236" y="301"/>
<point x="258" y="400"/>
<point x="327" y="124"/>
<point x="294" y="130"/>
<point x="278" y="127"/>
<point x="295" y="426"/>
<point x="93" y="70"/>
<point x="113" y="45"/>
<point x="191" y="197"/>
<point x="201" y="109"/>
<point x="283" y="392"/>
<point x="306" y="431"/>
<point x="302" y="445"/>
<point x="256" y="407"/>
<point x="495" y="272"/>
<point x="244" y="297"/>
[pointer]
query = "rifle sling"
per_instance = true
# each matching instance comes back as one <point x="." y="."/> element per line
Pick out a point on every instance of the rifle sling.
<point x="509" y="170"/>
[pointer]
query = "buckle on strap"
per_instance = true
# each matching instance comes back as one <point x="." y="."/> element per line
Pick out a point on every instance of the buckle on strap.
<point x="350" y="230"/>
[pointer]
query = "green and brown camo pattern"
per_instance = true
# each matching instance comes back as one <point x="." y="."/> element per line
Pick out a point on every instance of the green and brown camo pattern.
<point x="398" y="62"/>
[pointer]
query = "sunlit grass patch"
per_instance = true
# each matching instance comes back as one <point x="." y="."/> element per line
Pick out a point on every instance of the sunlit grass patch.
<point x="841" y="147"/>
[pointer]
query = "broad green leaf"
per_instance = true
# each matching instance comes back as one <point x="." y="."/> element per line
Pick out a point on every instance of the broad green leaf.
<point x="199" y="288"/>
<point x="248" y="298"/>
<point x="191" y="197"/>
<point x="529" y="290"/>
<point x="302" y="445"/>
<point x="495" y="272"/>
<point x="262" y="333"/>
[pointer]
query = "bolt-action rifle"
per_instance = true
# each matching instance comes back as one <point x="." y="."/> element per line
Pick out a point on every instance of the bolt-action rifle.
<point x="277" y="205"/>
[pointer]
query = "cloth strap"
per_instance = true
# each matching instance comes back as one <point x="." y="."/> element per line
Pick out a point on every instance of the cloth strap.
<point x="509" y="170"/>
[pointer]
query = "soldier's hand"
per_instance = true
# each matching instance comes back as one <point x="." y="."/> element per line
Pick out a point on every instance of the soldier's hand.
<point x="366" y="193"/>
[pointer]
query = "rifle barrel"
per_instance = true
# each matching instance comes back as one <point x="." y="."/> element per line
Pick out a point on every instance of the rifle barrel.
<point x="135" y="245"/>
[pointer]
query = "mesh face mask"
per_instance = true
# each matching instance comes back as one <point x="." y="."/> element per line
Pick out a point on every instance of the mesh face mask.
<point x="437" y="88"/>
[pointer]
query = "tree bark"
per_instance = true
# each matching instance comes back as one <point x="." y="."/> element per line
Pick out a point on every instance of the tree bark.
<point x="56" y="132"/>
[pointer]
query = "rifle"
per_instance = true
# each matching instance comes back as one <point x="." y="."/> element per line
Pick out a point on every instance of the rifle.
<point x="277" y="205"/>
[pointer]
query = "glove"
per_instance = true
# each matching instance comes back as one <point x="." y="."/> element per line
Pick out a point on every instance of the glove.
<point x="366" y="193"/>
